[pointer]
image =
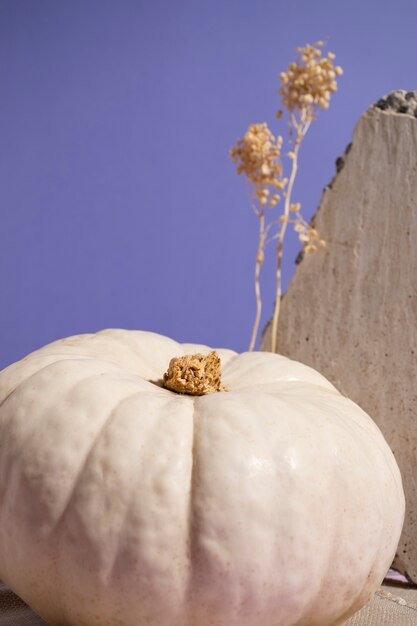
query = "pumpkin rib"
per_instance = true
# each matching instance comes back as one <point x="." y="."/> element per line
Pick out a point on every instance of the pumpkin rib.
<point x="8" y="396"/>
<point x="379" y="442"/>
<point x="59" y="521"/>
<point x="175" y="348"/>
<point x="115" y="335"/>
<point x="350" y="425"/>
<point x="59" y="578"/>
<point x="23" y="381"/>
<point x="268" y="369"/>
<point x="82" y="381"/>
<point x="168" y="400"/>
<point x="230" y="364"/>
<point x="41" y="369"/>
<point x="97" y="436"/>
<point x="361" y="597"/>
<point x="192" y="532"/>
<point x="326" y="572"/>
<point x="19" y="388"/>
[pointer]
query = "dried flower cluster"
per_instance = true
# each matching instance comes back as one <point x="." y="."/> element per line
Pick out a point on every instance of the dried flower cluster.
<point x="258" y="156"/>
<point x="306" y="86"/>
<point x="310" y="80"/>
<point x="307" y="235"/>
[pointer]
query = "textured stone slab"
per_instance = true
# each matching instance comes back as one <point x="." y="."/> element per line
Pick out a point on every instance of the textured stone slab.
<point x="351" y="310"/>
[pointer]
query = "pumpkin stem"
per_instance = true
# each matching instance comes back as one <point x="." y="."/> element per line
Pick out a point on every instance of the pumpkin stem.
<point x="195" y="375"/>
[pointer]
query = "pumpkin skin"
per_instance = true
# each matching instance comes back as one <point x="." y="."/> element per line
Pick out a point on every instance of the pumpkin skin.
<point x="277" y="503"/>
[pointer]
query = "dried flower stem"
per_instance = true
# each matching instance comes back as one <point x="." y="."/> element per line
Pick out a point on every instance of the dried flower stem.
<point x="258" y="265"/>
<point x="301" y="128"/>
<point x="306" y="86"/>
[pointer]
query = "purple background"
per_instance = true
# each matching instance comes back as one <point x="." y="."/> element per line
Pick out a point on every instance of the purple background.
<point x="119" y="204"/>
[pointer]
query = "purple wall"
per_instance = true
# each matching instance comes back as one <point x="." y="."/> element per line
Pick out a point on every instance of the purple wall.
<point x="119" y="205"/>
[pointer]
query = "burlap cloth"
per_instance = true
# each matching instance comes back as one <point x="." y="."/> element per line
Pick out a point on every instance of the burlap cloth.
<point x="391" y="606"/>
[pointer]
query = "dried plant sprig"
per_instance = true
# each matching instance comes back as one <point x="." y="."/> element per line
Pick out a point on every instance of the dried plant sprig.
<point x="310" y="81"/>
<point x="258" y="157"/>
<point x="306" y="86"/>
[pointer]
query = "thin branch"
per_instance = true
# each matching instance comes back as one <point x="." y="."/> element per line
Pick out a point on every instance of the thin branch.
<point x="301" y="129"/>
<point x="258" y="265"/>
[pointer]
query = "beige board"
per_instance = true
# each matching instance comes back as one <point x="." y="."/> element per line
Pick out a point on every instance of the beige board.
<point x="351" y="309"/>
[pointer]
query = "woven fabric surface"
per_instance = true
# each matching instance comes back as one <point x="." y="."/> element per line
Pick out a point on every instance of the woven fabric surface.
<point x="14" y="612"/>
<point x="391" y="606"/>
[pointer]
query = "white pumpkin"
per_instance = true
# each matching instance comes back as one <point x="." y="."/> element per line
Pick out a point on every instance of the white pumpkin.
<point x="276" y="503"/>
